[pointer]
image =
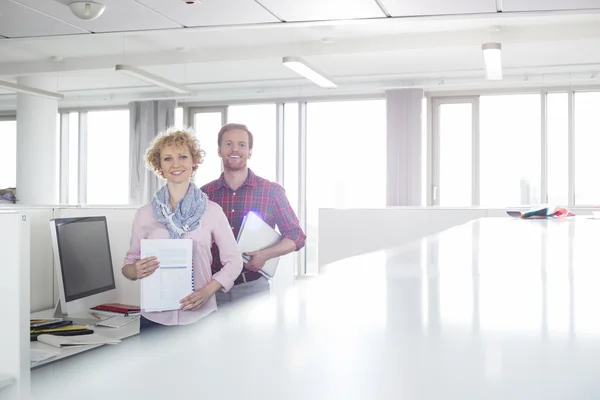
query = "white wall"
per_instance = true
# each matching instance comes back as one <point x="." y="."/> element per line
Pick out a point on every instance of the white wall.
<point x="349" y="232"/>
<point x="42" y="262"/>
<point x="14" y="298"/>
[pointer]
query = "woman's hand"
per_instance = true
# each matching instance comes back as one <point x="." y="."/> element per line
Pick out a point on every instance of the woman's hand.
<point x="141" y="268"/>
<point x="198" y="298"/>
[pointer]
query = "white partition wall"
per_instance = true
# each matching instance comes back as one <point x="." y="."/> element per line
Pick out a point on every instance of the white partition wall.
<point x="42" y="270"/>
<point x="14" y="298"/>
<point x="348" y="232"/>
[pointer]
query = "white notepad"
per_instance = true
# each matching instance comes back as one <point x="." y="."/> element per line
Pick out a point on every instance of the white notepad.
<point x="172" y="280"/>
<point x="255" y="234"/>
<point x="70" y="341"/>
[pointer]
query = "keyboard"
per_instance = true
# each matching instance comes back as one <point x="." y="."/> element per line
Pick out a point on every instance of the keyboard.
<point x="118" y="321"/>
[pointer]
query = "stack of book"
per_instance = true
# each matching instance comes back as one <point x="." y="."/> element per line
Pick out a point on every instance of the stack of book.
<point x="112" y="309"/>
<point x="56" y="326"/>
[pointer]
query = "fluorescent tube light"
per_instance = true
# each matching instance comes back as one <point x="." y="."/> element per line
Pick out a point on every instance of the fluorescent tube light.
<point x="14" y="87"/>
<point x="300" y="66"/>
<point x="153" y="79"/>
<point x="492" y="55"/>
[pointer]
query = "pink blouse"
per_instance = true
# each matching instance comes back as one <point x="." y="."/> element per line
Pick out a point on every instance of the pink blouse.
<point x="213" y="228"/>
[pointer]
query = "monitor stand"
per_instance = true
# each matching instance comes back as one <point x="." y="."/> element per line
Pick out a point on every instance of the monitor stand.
<point x="80" y="318"/>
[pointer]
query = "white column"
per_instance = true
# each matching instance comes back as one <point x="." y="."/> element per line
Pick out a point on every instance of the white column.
<point x="38" y="151"/>
<point x="404" y="144"/>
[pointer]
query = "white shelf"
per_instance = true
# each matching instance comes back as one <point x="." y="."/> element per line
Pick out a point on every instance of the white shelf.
<point x="6" y="380"/>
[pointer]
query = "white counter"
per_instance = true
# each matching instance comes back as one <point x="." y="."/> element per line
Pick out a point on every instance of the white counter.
<point x="494" y="309"/>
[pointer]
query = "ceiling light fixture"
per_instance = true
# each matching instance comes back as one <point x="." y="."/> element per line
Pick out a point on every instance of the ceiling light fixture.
<point x="153" y="79"/>
<point x="14" y="87"/>
<point x="300" y="66"/>
<point x="87" y="10"/>
<point x="492" y="56"/>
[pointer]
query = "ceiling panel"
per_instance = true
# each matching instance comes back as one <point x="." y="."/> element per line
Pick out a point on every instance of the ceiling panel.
<point x="548" y="5"/>
<point x="83" y="46"/>
<point x="404" y="8"/>
<point x="17" y="20"/>
<point x="318" y="10"/>
<point x="119" y="15"/>
<point x="213" y="12"/>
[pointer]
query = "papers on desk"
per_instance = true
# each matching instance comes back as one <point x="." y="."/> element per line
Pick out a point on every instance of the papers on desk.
<point x="37" y="356"/>
<point x="70" y="341"/>
<point x="172" y="281"/>
<point x="542" y="213"/>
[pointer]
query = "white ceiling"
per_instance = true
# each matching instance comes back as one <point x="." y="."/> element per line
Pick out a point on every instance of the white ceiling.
<point x="222" y="45"/>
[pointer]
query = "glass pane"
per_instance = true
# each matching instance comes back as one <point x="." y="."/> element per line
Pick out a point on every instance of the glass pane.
<point x="587" y="143"/>
<point x="455" y="136"/>
<point x="8" y="161"/>
<point x="424" y="164"/>
<point x="510" y="147"/>
<point x="337" y="132"/>
<point x="207" y="126"/>
<point x="290" y="153"/>
<point x="261" y="120"/>
<point x="108" y="157"/>
<point x="558" y="148"/>
<point x="73" y="158"/>
<point x="290" y="160"/>
<point x="179" y="117"/>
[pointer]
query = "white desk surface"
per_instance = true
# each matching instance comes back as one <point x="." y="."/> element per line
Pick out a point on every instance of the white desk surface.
<point x="131" y="329"/>
<point x="494" y="309"/>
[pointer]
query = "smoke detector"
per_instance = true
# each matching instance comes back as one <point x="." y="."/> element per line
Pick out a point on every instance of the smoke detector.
<point x="87" y="10"/>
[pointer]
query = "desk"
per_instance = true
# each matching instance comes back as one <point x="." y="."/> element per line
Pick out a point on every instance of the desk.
<point x="124" y="332"/>
<point x="493" y="309"/>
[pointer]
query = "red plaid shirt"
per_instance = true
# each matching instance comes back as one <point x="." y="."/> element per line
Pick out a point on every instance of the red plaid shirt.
<point x="267" y="199"/>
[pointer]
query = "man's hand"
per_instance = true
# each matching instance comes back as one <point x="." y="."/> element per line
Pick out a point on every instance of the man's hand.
<point x="198" y="298"/>
<point x="257" y="260"/>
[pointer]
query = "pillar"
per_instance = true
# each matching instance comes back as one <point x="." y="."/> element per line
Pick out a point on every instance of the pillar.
<point x="404" y="147"/>
<point x="38" y="151"/>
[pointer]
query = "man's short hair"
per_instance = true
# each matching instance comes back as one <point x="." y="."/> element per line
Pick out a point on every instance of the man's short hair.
<point x="228" y="127"/>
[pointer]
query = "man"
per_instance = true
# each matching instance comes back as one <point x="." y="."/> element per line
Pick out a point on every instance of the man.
<point x="238" y="190"/>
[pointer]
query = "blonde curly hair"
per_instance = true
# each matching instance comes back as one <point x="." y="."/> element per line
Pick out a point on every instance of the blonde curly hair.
<point x="177" y="137"/>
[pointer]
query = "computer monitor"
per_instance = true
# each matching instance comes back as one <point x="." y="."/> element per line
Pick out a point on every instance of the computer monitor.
<point x="83" y="264"/>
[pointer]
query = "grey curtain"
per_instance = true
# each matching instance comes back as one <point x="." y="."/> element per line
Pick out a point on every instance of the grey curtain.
<point x="147" y="119"/>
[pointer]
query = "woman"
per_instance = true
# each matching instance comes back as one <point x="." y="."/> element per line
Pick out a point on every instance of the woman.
<point x="181" y="210"/>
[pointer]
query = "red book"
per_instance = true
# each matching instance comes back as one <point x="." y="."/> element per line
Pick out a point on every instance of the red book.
<point x="118" y="308"/>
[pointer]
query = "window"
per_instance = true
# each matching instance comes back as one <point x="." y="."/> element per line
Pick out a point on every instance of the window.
<point x="206" y="126"/>
<point x="587" y="143"/>
<point x="73" y="158"/>
<point x="108" y="157"/>
<point x="290" y="153"/>
<point x="261" y="120"/>
<point x="346" y="167"/>
<point x="455" y="152"/>
<point x="179" y="117"/>
<point x="510" y="147"/>
<point x="8" y="160"/>
<point x="557" y="106"/>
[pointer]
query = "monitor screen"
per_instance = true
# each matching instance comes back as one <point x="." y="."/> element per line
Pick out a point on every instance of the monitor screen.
<point x="85" y="259"/>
